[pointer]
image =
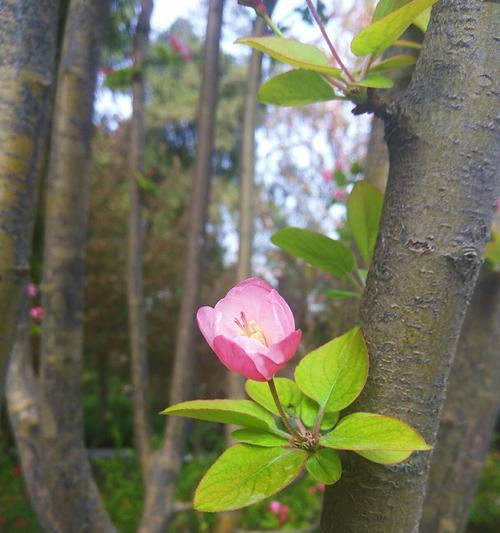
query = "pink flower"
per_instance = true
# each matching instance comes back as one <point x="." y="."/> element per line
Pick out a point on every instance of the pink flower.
<point x="321" y="487"/>
<point x="275" y="507"/>
<point x="251" y="330"/>
<point x="311" y="490"/>
<point x="36" y="312"/>
<point x="258" y="5"/>
<point x="283" y="514"/>
<point x="32" y="290"/>
<point x="327" y="175"/>
<point x="340" y="195"/>
<point x="180" y="47"/>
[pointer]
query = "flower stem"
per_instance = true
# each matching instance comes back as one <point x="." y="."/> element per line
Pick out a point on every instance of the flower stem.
<point x="274" y="393"/>
<point x="271" y="24"/>
<point x="357" y="284"/>
<point x="319" y="419"/>
<point x="328" y="41"/>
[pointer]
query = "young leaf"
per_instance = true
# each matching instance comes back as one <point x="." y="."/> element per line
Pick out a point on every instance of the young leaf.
<point x="289" y="394"/>
<point x="364" y="208"/>
<point x="304" y="56"/>
<point x="334" y="374"/>
<point x="309" y="411"/>
<point x="259" y="438"/>
<point x="394" y="62"/>
<point x="325" y="466"/>
<point x="384" y="7"/>
<point x="316" y="249"/>
<point x="340" y="178"/>
<point x="240" y="412"/>
<point x="297" y="87"/>
<point x="383" y="32"/>
<point x="342" y="295"/>
<point x="375" y="80"/>
<point x="383" y="457"/>
<point x="492" y="254"/>
<point x="408" y="44"/>
<point x="370" y="432"/>
<point x="246" y="474"/>
<point x="422" y="21"/>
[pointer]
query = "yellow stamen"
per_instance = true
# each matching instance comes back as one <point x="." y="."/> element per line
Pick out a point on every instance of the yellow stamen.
<point x="250" y="329"/>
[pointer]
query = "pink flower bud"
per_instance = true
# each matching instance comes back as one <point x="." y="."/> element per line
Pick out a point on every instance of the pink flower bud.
<point x="275" y="507"/>
<point x="321" y="487"/>
<point x="327" y="175"/>
<point x="180" y="47"/>
<point x="258" y="5"/>
<point x="251" y="330"/>
<point x="36" y="313"/>
<point x="32" y="290"/>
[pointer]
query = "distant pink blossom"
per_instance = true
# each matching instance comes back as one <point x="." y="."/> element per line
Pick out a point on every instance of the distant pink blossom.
<point x="32" y="290"/>
<point x="275" y="507"/>
<point x="106" y="70"/>
<point x="258" y="5"/>
<point x="283" y="514"/>
<point x="312" y="490"/>
<point x="180" y="47"/>
<point x="340" y="195"/>
<point x="327" y="175"/>
<point x="251" y="330"/>
<point x="36" y="313"/>
<point x="321" y="487"/>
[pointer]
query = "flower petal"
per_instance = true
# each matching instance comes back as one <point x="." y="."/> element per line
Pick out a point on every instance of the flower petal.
<point x="250" y="283"/>
<point x="275" y="318"/>
<point x="285" y="349"/>
<point x="206" y="321"/>
<point x="236" y="359"/>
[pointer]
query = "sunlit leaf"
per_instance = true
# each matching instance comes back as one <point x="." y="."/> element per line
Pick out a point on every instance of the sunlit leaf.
<point x="408" y="44"/>
<point x="422" y="21"/>
<point x="294" y="88"/>
<point x="289" y="394"/>
<point x="240" y="412"/>
<point x="384" y="31"/>
<point x="316" y="249"/>
<point x="246" y="474"/>
<point x="304" y="56"/>
<point x="384" y="457"/>
<point x="325" y="466"/>
<point x="371" y="432"/>
<point x="309" y="412"/>
<point x="375" y="81"/>
<point x="334" y="374"/>
<point x="259" y="437"/>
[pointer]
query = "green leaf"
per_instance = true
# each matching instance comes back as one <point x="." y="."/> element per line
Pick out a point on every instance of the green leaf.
<point x="492" y="254"/>
<point x="240" y="412"/>
<point x="309" y="412"/>
<point x="383" y="32"/>
<point x="394" y="62"/>
<point x="384" y="7"/>
<point x="246" y="474"/>
<point x="288" y="392"/>
<point x="325" y="466"/>
<point x="340" y="178"/>
<point x="342" y="295"/>
<point x="408" y="44"/>
<point x="363" y="274"/>
<point x="259" y="438"/>
<point x="364" y="208"/>
<point x="370" y="432"/>
<point x="304" y="56"/>
<point x="316" y="249"/>
<point x="121" y="79"/>
<point x="422" y="21"/>
<point x="297" y="87"/>
<point x="375" y="80"/>
<point x="385" y="458"/>
<point x="334" y="374"/>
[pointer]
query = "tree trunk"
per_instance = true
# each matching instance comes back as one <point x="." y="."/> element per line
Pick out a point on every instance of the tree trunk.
<point x="438" y="209"/>
<point x="469" y="414"/>
<point x="135" y="255"/>
<point x="24" y="415"/>
<point x="28" y="33"/>
<point x="67" y="473"/>
<point x="165" y="464"/>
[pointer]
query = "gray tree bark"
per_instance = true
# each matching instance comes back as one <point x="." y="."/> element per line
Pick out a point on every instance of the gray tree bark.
<point x="469" y="414"/>
<point x="443" y="148"/>
<point x="135" y="247"/>
<point x="28" y="33"/>
<point x="164" y="465"/>
<point x="66" y="469"/>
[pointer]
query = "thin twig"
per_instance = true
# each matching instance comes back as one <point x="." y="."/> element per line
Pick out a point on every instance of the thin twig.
<point x="328" y="41"/>
<point x="274" y="393"/>
<point x="319" y="419"/>
<point x="366" y="65"/>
